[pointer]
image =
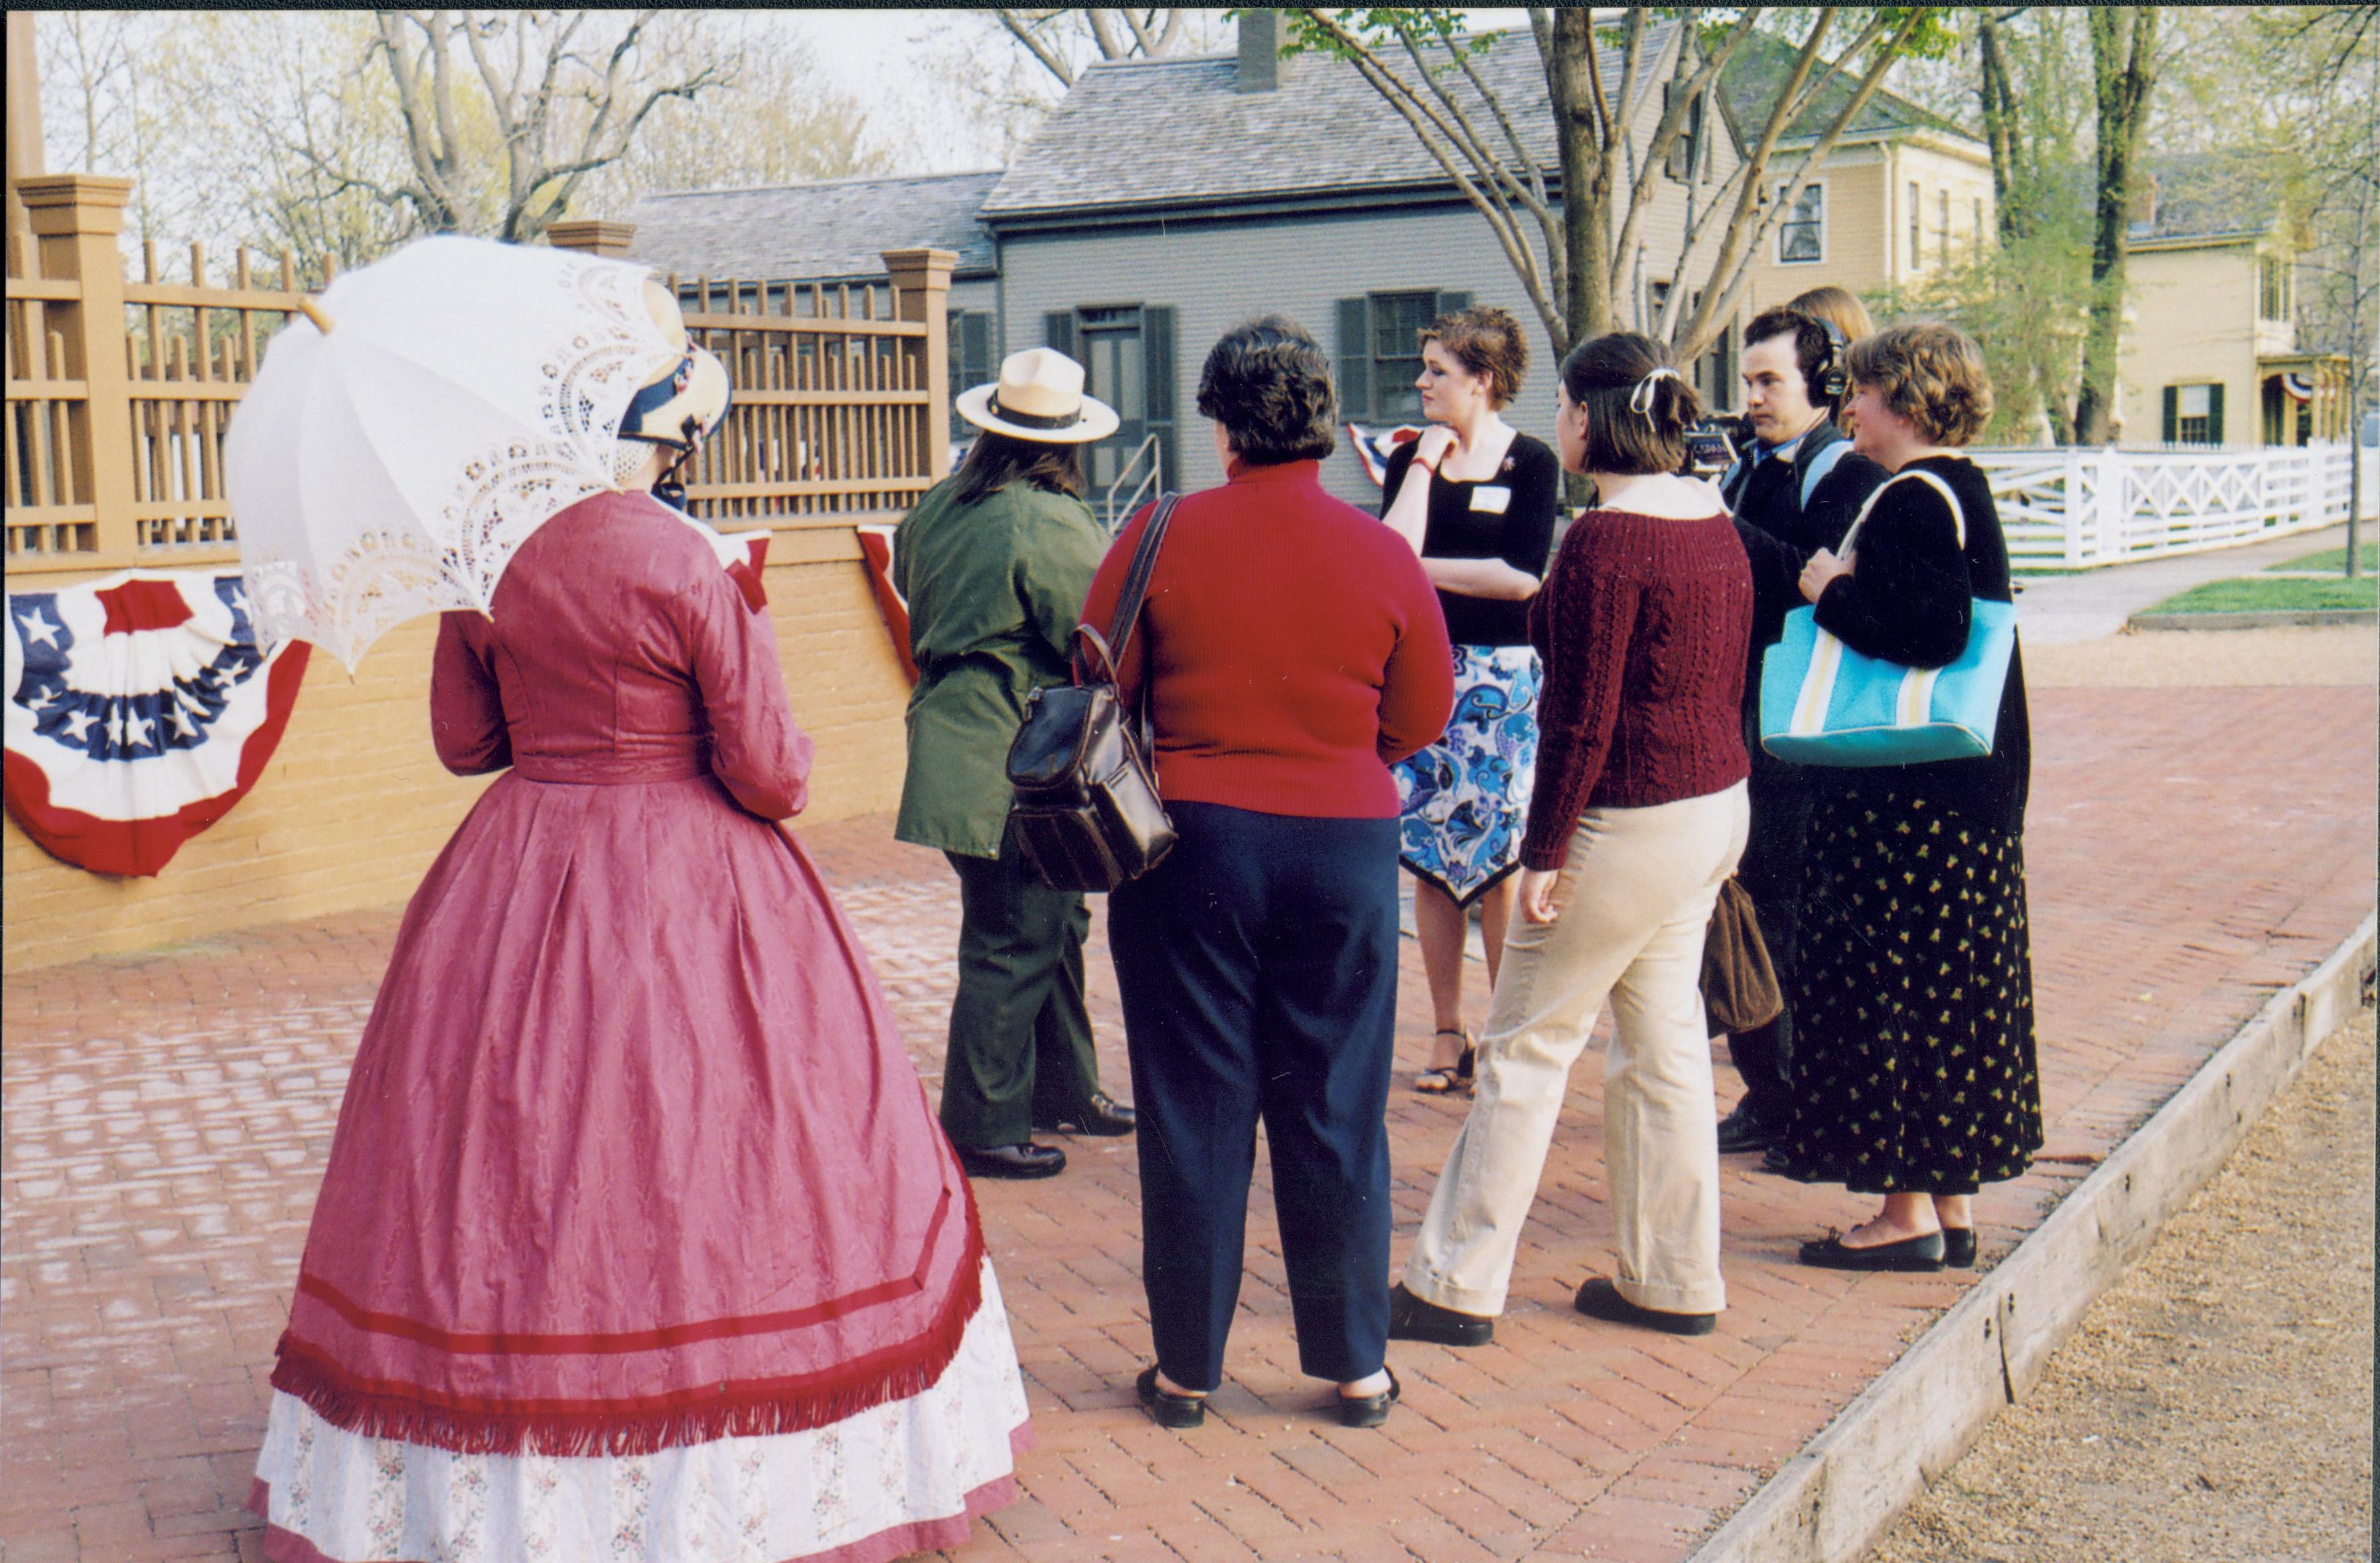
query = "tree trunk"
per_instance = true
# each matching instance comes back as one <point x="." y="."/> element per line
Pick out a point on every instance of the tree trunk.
<point x="1585" y="178"/>
<point x="2124" y="77"/>
<point x="1998" y="97"/>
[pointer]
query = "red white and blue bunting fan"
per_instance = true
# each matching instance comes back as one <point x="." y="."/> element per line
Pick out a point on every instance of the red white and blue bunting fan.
<point x="1374" y="446"/>
<point x="876" y="547"/>
<point x="140" y="710"/>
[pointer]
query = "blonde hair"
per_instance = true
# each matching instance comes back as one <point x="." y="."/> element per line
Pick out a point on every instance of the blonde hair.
<point x="1929" y="372"/>
<point x="1838" y="307"/>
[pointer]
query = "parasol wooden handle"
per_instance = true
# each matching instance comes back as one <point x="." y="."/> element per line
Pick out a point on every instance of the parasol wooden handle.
<point x="313" y="312"/>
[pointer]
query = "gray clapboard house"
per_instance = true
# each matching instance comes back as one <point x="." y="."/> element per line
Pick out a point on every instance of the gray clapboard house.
<point x="1165" y="200"/>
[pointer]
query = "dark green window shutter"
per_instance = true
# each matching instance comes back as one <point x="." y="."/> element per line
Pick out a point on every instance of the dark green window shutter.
<point x="2215" y="414"/>
<point x="977" y="343"/>
<point x="1355" y="357"/>
<point x="2172" y="414"/>
<point x="1680" y="162"/>
<point x="1156" y="358"/>
<point x="1453" y="304"/>
<point x="1058" y="331"/>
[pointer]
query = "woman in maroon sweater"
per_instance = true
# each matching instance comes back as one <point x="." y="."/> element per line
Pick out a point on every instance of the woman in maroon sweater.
<point x="1291" y="650"/>
<point x="1638" y="817"/>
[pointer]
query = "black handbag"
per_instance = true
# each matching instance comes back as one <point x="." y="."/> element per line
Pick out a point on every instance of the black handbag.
<point x="1087" y="814"/>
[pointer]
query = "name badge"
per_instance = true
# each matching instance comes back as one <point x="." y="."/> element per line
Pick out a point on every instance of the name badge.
<point x="1493" y="498"/>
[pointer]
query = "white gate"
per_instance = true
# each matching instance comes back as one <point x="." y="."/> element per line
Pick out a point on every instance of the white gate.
<point x="2077" y="507"/>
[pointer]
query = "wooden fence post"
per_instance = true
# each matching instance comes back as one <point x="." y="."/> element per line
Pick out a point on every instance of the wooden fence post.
<point x="922" y="279"/>
<point x="595" y="236"/>
<point x="77" y="218"/>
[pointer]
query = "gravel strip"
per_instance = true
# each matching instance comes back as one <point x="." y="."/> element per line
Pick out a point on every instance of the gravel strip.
<point x="2216" y="1402"/>
<point x="2224" y="658"/>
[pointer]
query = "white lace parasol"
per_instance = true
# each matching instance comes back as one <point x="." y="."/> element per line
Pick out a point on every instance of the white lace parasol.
<point x="465" y="393"/>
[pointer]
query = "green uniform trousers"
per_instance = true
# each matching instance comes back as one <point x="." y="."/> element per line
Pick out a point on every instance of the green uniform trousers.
<point x="1020" y="1033"/>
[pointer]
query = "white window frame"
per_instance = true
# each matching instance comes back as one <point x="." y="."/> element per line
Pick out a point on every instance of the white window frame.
<point x="1784" y="198"/>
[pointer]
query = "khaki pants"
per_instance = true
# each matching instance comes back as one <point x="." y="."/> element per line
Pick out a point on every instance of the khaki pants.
<point x="1637" y="894"/>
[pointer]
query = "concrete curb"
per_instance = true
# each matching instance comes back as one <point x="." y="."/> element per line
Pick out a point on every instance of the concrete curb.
<point x="1831" y="1502"/>
<point x="2277" y="619"/>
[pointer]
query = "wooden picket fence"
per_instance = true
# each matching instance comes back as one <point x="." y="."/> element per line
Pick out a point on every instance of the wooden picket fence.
<point x="121" y="392"/>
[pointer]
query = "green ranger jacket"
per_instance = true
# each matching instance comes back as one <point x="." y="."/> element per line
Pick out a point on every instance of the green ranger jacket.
<point x="994" y="591"/>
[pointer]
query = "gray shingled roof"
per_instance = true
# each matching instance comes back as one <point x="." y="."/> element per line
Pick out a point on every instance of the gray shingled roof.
<point x="2208" y="194"/>
<point x="1159" y="133"/>
<point x="1757" y="72"/>
<point x="834" y="228"/>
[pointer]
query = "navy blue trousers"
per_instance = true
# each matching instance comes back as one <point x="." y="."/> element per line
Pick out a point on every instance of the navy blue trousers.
<point x="1258" y="970"/>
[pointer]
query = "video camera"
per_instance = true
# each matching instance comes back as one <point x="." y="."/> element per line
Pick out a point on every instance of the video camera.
<point x="1711" y="446"/>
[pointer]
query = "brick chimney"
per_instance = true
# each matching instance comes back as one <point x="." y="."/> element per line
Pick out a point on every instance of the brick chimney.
<point x="1259" y="50"/>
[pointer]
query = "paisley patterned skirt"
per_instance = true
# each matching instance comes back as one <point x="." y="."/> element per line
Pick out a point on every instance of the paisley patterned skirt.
<point x="1463" y="801"/>
<point x="1913" y="1061"/>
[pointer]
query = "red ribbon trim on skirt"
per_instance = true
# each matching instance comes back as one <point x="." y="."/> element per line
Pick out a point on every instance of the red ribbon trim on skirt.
<point x="646" y="1423"/>
<point x="533" y="1343"/>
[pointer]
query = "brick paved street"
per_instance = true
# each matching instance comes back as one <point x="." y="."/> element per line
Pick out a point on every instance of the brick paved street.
<point x="2191" y="851"/>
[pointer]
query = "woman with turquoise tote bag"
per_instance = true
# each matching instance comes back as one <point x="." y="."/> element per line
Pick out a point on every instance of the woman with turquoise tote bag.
<point x="1914" y="1065"/>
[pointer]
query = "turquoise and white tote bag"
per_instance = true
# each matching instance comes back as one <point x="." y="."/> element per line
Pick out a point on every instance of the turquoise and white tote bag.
<point x="1822" y="703"/>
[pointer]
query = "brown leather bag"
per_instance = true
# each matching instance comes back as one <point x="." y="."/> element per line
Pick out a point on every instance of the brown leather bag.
<point x="1087" y="814"/>
<point x="1740" y="990"/>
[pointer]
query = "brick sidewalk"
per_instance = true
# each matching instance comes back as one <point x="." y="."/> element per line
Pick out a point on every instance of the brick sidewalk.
<point x="2190" y="852"/>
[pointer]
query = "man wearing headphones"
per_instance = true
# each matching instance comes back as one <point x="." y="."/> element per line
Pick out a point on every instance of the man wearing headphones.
<point x="1796" y="490"/>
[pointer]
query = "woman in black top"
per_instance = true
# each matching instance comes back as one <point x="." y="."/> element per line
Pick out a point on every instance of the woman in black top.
<point x="1476" y="499"/>
<point x="1913" y="1061"/>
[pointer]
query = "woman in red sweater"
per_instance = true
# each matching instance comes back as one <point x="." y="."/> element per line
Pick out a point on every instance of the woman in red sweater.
<point x="1291" y="650"/>
<point x="1638" y="816"/>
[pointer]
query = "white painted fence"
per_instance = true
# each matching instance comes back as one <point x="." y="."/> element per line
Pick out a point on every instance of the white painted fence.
<point x="2073" y="507"/>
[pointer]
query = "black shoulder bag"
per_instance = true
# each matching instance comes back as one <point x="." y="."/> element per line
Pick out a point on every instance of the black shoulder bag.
<point x="1087" y="814"/>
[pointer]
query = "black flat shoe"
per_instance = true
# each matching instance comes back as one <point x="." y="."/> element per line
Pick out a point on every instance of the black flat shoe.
<point x="1026" y="1160"/>
<point x="1959" y="1247"/>
<point x="1167" y="1408"/>
<point x="1370" y="1411"/>
<point x="1917" y="1254"/>
<point x="1599" y="1298"/>
<point x="1741" y="1130"/>
<point x="1103" y="1115"/>
<point x="1409" y="1318"/>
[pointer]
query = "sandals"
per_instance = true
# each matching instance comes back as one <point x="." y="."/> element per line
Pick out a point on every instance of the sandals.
<point x="1447" y="1079"/>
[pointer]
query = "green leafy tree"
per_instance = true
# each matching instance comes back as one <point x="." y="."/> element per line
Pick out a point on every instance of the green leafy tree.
<point x="2123" y="74"/>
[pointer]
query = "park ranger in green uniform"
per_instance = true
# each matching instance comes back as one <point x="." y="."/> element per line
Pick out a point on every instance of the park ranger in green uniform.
<point x="994" y="564"/>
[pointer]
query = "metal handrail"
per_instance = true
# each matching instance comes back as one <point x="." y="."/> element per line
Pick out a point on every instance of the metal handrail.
<point x="1153" y="482"/>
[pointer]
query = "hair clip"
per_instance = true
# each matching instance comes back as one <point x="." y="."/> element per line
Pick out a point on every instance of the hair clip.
<point x="1640" y="401"/>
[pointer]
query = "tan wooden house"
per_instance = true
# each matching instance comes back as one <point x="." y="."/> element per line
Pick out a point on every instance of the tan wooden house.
<point x="2210" y="353"/>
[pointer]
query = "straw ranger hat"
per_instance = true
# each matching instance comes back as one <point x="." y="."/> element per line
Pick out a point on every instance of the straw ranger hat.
<point x="1040" y="398"/>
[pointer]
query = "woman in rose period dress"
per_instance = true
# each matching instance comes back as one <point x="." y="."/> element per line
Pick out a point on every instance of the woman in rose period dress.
<point x="638" y="1240"/>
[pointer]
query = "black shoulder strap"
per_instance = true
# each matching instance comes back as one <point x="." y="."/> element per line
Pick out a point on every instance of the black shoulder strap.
<point x="1136" y="580"/>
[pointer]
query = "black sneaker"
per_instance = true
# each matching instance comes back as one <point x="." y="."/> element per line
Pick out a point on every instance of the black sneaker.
<point x="1743" y="1131"/>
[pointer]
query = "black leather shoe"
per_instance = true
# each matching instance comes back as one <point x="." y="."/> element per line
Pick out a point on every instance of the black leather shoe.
<point x="1409" y="1318"/>
<point x="1915" y="1253"/>
<point x="1370" y="1411"/>
<point x="1103" y="1115"/>
<point x="1167" y="1408"/>
<point x="1027" y="1160"/>
<point x="1599" y="1298"/>
<point x="1959" y="1247"/>
<point x="1741" y="1130"/>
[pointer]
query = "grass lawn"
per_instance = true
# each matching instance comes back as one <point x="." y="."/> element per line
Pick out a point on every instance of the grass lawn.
<point x="2249" y="594"/>
<point x="2332" y="559"/>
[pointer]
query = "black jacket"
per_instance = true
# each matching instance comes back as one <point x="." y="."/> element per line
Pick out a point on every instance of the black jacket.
<point x="1780" y="533"/>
